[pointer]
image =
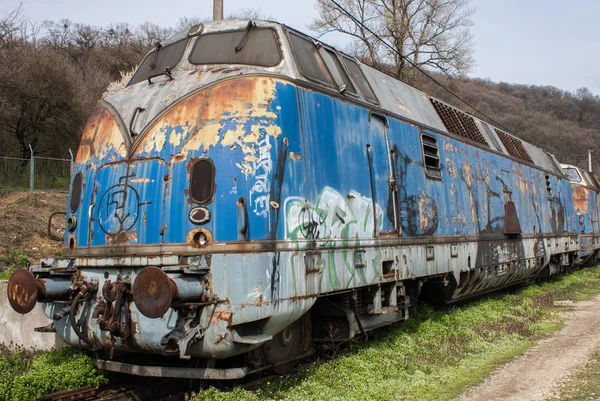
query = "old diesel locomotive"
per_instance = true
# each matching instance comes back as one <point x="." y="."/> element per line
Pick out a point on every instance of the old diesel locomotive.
<point x="251" y="192"/>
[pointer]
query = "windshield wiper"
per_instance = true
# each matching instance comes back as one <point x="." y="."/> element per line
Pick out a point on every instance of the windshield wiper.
<point x="249" y="28"/>
<point x="157" y="47"/>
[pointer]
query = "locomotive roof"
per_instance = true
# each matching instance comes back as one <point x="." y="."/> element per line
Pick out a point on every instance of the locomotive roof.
<point x="393" y="96"/>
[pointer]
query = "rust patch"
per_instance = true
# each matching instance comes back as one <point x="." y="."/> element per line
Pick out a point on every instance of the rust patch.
<point x="153" y="292"/>
<point x="295" y="156"/>
<point x="221" y="338"/>
<point x="198" y="123"/>
<point x="580" y="198"/>
<point x="22" y="291"/>
<point x="224" y="316"/>
<point x="390" y="274"/>
<point x="140" y="180"/>
<point x="121" y="238"/>
<point x="194" y="238"/>
<point x="100" y="135"/>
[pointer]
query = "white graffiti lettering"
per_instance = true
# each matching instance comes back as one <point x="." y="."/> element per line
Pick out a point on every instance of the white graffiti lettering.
<point x="260" y="192"/>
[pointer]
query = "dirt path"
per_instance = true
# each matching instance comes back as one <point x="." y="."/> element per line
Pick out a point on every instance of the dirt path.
<point x="534" y="375"/>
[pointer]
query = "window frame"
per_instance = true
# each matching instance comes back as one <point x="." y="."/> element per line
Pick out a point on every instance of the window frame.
<point x="334" y="53"/>
<point x="375" y="100"/>
<point x="569" y="178"/>
<point x="186" y="39"/>
<point x="213" y="184"/>
<point x="75" y="200"/>
<point x="297" y="64"/>
<point x="198" y="37"/>
<point x="438" y="157"/>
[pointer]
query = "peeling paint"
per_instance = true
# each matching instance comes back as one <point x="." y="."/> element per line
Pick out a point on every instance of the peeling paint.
<point x="140" y="180"/>
<point x="101" y="137"/>
<point x="234" y="114"/>
<point x="402" y="106"/>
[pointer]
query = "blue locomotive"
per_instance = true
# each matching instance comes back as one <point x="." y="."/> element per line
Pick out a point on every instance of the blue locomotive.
<point x="251" y="192"/>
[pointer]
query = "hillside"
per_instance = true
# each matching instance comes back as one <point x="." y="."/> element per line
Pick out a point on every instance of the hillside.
<point x="23" y="227"/>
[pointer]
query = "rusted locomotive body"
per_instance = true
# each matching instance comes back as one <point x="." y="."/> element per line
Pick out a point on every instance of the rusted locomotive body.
<point x="587" y="209"/>
<point x="252" y="191"/>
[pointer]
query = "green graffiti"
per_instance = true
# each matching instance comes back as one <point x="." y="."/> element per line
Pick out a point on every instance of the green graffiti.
<point x="334" y="219"/>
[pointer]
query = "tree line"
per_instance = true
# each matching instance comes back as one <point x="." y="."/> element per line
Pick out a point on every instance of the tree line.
<point x="54" y="72"/>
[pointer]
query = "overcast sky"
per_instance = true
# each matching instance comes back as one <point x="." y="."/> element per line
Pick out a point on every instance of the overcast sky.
<point x="538" y="42"/>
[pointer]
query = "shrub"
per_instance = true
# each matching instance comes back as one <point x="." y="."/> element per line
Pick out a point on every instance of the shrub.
<point x="27" y="378"/>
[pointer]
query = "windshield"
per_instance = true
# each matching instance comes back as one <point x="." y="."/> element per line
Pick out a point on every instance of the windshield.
<point x="157" y="60"/>
<point x="572" y="173"/>
<point x="256" y="47"/>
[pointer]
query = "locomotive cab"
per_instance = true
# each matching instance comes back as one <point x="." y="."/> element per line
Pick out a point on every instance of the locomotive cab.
<point x="176" y="173"/>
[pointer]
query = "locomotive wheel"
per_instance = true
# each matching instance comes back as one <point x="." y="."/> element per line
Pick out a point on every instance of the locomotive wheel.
<point x="286" y="345"/>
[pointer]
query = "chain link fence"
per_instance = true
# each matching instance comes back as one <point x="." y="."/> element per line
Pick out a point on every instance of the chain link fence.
<point x="35" y="173"/>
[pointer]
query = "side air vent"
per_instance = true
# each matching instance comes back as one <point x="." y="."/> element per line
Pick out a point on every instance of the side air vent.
<point x="458" y="123"/>
<point x="431" y="156"/>
<point x="513" y="146"/>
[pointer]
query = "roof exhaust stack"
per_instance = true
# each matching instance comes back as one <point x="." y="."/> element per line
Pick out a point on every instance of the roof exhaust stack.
<point x="590" y="154"/>
<point x="217" y="10"/>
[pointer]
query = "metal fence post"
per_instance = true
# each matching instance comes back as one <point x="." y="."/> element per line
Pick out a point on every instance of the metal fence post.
<point x="31" y="169"/>
<point x="71" y="171"/>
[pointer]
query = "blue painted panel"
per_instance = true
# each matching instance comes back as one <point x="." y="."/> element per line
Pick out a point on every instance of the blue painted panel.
<point x="300" y="162"/>
<point x="336" y="135"/>
<point x="129" y="203"/>
<point x="261" y="162"/>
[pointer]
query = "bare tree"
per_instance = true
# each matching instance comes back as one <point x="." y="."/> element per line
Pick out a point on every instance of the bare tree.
<point x="11" y="24"/>
<point x="244" y="13"/>
<point x="149" y="33"/>
<point x="249" y="13"/>
<point x="185" y="23"/>
<point x="430" y="33"/>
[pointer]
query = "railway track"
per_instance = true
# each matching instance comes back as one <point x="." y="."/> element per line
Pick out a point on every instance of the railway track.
<point x="124" y="387"/>
<point x="78" y="394"/>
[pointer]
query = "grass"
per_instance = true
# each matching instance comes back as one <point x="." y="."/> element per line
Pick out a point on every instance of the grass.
<point x="435" y="355"/>
<point x="584" y="384"/>
<point x="27" y="374"/>
<point x="11" y="262"/>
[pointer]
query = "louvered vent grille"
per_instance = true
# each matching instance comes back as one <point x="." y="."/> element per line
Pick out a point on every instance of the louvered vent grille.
<point x="458" y="123"/>
<point x="513" y="146"/>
